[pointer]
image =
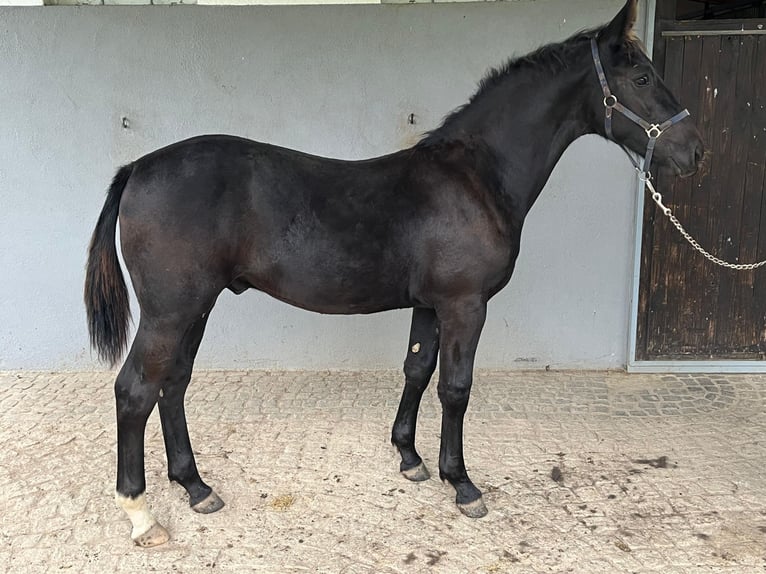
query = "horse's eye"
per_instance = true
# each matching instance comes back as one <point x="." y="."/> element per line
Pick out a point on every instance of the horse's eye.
<point x="642" y="81"/>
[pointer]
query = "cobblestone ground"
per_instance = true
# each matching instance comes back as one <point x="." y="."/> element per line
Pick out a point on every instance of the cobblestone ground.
<point x="583" y="472"/>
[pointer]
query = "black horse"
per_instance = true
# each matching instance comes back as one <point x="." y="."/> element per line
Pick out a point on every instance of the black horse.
<point x="435" y="228"/>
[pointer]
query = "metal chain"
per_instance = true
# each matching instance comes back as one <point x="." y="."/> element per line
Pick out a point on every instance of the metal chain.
<point x="657" y="197"/>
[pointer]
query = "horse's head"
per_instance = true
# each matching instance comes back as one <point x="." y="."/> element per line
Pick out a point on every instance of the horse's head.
<point x="635" y="84"/>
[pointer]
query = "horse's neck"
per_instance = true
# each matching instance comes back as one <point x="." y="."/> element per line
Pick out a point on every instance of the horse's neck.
<point x="528" y="121"/>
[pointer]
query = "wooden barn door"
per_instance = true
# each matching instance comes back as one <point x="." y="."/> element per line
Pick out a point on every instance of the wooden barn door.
<point x="689" y="308"/>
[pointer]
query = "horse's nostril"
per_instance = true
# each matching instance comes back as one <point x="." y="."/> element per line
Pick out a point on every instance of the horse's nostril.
<point x="699" y="153"/>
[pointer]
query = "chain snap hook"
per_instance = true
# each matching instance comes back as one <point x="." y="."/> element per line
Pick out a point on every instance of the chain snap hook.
<point x="657" y="197"/>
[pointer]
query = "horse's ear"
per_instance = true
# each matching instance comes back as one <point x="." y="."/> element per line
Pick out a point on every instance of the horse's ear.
<point x="621" y="28"/>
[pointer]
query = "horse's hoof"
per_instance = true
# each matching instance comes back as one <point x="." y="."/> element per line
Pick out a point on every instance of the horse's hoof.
<point x="155" y="536"/>
<point x="475" y="509"/>
<point x="417" y="473"/>
<point x="212" y="503"/>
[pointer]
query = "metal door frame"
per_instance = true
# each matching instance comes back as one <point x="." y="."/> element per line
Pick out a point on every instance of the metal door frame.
<point x="644" y="366"/>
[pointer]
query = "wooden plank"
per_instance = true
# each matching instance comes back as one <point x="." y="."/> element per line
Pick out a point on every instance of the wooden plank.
<point x="674" y="33"/>
<point x="728" y="166"/>
<point x="692" y="329"/>
<point x="707" y="195"/>
<point x="690" y="26"/>
<point x="665" y="253"/>
<point x="757" y="171"/>
<point x="698" y="268"/>
<point x="680" y="292"/>
<point x="744" y="322"/>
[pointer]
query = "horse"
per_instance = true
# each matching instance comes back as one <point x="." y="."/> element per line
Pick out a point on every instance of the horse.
<point x="435" y="227"/>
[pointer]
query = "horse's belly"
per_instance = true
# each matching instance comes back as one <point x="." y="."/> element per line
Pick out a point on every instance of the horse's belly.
<point x="334" y="289"/>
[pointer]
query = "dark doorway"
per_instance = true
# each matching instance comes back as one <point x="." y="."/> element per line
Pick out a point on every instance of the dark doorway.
<point x="689" y="308"/>
<point x="718" y="9"/>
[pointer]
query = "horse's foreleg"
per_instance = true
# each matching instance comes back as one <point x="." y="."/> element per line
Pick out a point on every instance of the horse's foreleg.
<point x="418" y="368"/>
<point x="460" y="327"/>
<point x="181" y="465"/>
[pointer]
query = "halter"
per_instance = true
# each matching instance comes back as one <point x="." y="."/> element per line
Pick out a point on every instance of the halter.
<point x="653" y="131"/>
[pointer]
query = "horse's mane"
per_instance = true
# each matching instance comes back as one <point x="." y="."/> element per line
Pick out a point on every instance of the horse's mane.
<point x="550" y="58"/>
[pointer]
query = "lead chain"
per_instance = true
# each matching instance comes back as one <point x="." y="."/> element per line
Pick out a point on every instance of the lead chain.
<point x="657" y="197"/>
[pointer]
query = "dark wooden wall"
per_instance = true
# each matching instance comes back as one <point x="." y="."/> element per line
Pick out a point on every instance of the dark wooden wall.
<point x="689" y="308"/>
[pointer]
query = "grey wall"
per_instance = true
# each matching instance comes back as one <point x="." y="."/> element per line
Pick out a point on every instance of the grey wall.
<point x="338" y="81"/>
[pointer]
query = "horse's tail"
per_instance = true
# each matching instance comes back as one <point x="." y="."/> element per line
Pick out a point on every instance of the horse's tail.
<point x="106" y="296"/>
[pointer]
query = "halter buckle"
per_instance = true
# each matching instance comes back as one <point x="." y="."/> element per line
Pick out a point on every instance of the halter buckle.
<point x="644" y="175"/>
<point x="653" y="131"/>
<point x="607" y="99"/>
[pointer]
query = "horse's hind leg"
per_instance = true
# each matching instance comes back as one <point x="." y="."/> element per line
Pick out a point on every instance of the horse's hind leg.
<point x="418" y="368"/>
<point x="181" y="465"/>
<point x="158" y="360"/>
<point x="136" y="391"/>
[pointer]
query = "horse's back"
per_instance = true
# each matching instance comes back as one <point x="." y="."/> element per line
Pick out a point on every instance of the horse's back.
<point x="317" y="232"/>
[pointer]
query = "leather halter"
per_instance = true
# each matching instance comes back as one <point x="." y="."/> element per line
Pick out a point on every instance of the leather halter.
<point x="653" y="131"/>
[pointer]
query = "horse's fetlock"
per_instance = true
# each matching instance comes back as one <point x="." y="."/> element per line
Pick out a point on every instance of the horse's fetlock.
<point x="138" y="511"/>
<point x="402" y="437"/>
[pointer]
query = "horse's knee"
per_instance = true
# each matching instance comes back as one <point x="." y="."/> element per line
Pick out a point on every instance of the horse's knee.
<point x="419" y="368"/>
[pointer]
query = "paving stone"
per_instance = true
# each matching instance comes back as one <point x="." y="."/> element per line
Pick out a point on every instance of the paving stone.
<point x="658" y="473"/>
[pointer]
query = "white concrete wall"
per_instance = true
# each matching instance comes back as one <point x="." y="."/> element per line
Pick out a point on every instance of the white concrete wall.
<point x="338" y="81"/>
<point x="283" y="2"/>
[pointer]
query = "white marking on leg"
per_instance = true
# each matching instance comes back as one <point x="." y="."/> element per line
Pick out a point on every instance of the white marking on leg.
<point x="138" y="512"/>
<point x="416" y="348"/>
